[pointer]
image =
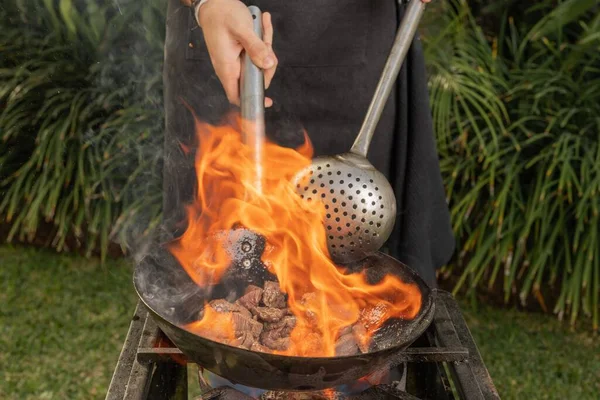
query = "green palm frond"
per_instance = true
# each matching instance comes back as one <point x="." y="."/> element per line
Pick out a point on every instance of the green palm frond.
<point x="76" y="102"/>
<point x="516" y="119"/>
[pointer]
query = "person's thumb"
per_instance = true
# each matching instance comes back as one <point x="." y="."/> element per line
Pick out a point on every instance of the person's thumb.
<point x="260" y="54"/>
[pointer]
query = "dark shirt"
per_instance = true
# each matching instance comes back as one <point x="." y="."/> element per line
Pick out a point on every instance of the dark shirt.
<point x="331" y="54"/>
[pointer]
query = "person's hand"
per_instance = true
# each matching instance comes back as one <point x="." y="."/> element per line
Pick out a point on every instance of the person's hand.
<point x="228" y="30"/>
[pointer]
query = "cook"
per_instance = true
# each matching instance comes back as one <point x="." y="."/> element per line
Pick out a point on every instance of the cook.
<point x="322" y="61"/>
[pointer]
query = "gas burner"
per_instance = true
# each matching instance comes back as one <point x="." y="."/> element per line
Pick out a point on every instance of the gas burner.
<point x="213" y="386"/>
<point x="444" y="363"/>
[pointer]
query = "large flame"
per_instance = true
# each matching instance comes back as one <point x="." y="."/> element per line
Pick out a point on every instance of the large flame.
<point x="227" y="198"/>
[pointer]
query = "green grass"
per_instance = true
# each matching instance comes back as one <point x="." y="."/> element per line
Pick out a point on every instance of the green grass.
<point x="63" y="320"/>
<point x="534" y="356"/>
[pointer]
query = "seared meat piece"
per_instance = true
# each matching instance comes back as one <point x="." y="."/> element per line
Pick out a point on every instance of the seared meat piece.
<point x="251" y="299"/>
<point x="346" y="346"/>
<point x="272" y="296"/>
<point x="243" y="310"/>
<point x="285" y="325"/>
<point x="245" y="340"/>
<point x="269" y="314"/>
<point x="361" y="337"/>
<point x="274" y="339"/>
<point x="345" y="331"/>
<point x="260" y="348"/>
<point x="223" y="306"/>
<point x="243" y="324"/>
<point x="251" y="288"/>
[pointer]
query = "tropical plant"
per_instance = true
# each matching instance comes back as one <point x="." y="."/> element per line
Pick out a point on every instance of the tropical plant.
<point x="514" y="94"/>
<point x="516" y="115"/>
<point x="80" y="118"/>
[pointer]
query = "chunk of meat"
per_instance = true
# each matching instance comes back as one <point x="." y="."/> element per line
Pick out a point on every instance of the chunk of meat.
<point x="272" y="295"/>
<point x="361" y="337"/>
<point x="245" y="340"/>
<point x="256" y="346"/>
<point x="251" y="288"/>
<point x="273" y="339"/>
<point x="346" y="346"/>
<point x="345" y="331"/>
<point x="251" y="299"/>
<point x="285" y="325"/>
<point x="269" y="314"/>
<point x="223" y="306"/>
<point x="243" y="324"/>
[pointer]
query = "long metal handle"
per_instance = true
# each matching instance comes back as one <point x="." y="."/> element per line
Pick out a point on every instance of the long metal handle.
<point x="404" y="37"/>
<point x="252" y="103"/>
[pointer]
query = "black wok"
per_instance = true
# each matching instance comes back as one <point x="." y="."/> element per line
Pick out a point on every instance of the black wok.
<point x="174" y="299"/>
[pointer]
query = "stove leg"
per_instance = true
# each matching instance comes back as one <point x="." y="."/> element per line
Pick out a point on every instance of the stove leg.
<point x="169" y="382"/>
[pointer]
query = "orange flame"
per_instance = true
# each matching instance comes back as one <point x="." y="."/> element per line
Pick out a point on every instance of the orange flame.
<point x="321" y="295"/>
<point x="215" y="326"/>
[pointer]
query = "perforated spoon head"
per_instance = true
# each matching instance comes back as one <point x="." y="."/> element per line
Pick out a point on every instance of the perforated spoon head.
<point x="359" y="202"/>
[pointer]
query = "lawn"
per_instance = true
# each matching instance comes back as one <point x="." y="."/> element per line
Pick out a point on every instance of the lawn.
<point x="63" y="320"/>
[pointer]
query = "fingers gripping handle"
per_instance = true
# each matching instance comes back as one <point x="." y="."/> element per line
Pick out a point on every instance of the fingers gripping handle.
<point x="252" y="102"/>
<point x="404" y="37"/>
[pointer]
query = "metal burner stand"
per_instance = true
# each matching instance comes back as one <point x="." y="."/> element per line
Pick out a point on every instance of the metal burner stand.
<point x="443" y="364"/>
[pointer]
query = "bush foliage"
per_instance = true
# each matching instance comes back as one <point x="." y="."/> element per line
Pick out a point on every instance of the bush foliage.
<point x="514" y="94"/>
<point x="80" y="122"/>
<point x="516" y="114"/>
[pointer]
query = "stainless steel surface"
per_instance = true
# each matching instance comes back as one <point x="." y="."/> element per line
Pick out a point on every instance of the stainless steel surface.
<point x="404" y="37"/>
<point x="359" y="201"/>
<point x="252" y="103"/>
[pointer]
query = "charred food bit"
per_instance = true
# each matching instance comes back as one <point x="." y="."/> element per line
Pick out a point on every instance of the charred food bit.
<point x="285" y="325"/>
<point x="223" y="306"/>
<point x="251" y="299"/>
<point x="275" y="335"/>
<point x="275" y="340"/>
<point x="245" y="340"/>
<point x="345" y="331"/>
<point x="272" y="295"/>
<point x="269" y="314"/>
<point x="256" y="346"/>
<point x="346" y="346"/>
<point x="361" y="337"/>
<point x="244" y="324"/>
<point x="262" y="322"/>
<point x="252" y="288"/>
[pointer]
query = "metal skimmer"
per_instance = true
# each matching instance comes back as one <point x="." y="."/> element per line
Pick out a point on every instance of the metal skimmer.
<point x="359" y="200"/>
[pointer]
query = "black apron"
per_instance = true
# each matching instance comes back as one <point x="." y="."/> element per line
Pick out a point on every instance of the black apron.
<point x="331" y="54"/>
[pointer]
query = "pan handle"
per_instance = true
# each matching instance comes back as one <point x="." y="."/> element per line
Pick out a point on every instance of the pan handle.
<point x="404" y="37"/>
<point x="252" y="103"/>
